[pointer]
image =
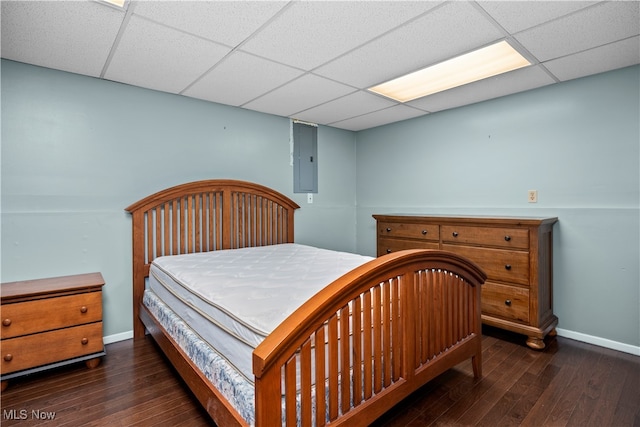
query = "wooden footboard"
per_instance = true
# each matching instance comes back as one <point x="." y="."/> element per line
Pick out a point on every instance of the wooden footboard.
<point x="370" y="339"/>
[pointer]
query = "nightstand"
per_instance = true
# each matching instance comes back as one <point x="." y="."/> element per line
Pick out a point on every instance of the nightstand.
<point x="48" y="323"/>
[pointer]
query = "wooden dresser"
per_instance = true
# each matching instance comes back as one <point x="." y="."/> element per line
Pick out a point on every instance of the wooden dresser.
<point x="50" y="322"/>
<point x="515" y="253"/>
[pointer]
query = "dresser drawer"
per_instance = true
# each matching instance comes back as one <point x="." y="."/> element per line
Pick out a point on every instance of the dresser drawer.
<point x="408" y="230"/>
<point x="486" y="236"/>
<point x="27" y="317"/>
<point x="501" y="265"/>
<point x="387" y="245"/>
<point x="49" y="347"/>
<point x="508" y="302"/>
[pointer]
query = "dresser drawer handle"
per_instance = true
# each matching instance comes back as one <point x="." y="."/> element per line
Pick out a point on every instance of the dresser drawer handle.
<point x="84" y="341"/>
<point x="83" y="309"/>
<point x="507" y="303"/>
<point x="424" y="232"/>
<point x="8" y="357"/>
<point x="454" y="234"/>
<point x="388" y="229"/>
<point x="388" y="250"/>
<point x="6" y="322"/>
<point x="507" y="238"/>
<point x="507" y="267"/>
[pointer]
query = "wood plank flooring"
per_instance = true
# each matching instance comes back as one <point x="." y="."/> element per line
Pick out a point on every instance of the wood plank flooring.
<point x="568" y="384"/>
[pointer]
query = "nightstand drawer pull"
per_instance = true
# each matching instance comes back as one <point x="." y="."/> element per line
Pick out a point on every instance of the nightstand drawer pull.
<point x="507" y="267"/>
<point x="507" y="238"/>
<point x="388" y="229"/>
<point x="388" y="250"/>
<point x="454" y="234"/>
<point x="424" y="232"/>
<point x="8" y="357"/>
<point x="6" y="322"/>
<point x="507" y="303"/>
<point x="83" y="309"/>
<point x="84" y="341"/>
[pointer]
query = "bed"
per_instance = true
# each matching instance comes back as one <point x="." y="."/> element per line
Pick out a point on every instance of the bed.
<point x="344" y="352"/>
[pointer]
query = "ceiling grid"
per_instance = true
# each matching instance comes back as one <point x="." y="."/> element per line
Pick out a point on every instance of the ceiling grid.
<point x="315" y="60"/>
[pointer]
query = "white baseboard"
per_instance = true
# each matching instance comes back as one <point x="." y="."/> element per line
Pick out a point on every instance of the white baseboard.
<point x="118" y="337"/>
<point x="602" y="342"/>
<point x="578" y="336"/>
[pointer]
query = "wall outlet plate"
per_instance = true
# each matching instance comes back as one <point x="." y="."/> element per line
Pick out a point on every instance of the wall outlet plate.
<point x="532" y="196"/>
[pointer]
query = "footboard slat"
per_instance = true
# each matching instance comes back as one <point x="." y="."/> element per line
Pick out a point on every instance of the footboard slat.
<point x="320" y="372"/>
<point x="367" y="350"/>
<point x="289" y="385"/>
<point x="305" y="384"/>
<point x="397" y="340"/>
<point x="345" y="360"/>
<point x="389" y="330"/>
<point x="357" y="350"/>
<point x="333" y="367"/>
<point x="386" y="334"/>
<point x="377" y="340"/>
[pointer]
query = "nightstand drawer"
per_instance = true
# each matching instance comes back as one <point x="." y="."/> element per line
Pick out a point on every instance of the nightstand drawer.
<point x="413" y="231"/>
<point x="501" y="265"/>
<point x="509" y="302"/>
<point x="486" y="236"/>
<point x="27" y="317"/>
<point x="386" y="246"/>
<point x="41" y="349"/>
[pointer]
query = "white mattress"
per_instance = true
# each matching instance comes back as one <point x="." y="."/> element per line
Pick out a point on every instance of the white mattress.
<point x="234" y="298"/>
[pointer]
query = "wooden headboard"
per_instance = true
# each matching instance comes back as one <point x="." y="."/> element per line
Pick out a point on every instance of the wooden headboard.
<point x="203" y="216"/>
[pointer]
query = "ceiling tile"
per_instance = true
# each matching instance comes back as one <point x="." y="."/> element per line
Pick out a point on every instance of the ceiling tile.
<point x="494" y="87"/>
<point x="379" y="118"/>
<point x="315" y="59"/>
<point x="156" y="57"/>
<point x="299" y="95"/>
<point x="69" y="36"/>
<point x="595" y="26"/>
<point x="234" y="82"/>
<point x="227" y="22"/>
<point x="430" y="39"/>
<point x="516" y="16"/>
<point x="311" y="33"/>
<point x="348" y="106"/>
<point x="609" y="57"/>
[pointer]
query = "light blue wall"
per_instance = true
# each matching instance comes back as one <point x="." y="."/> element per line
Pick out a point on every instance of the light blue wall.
<point x="77" y="150"/>
<point x="577" y="143"/>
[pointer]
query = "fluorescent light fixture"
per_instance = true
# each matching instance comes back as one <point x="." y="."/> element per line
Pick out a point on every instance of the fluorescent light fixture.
<point x="117" y="3"/>
<point x="477" y="65"/>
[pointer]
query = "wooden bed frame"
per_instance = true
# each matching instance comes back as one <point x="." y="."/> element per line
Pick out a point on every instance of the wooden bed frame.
<point x="418" y="312"/>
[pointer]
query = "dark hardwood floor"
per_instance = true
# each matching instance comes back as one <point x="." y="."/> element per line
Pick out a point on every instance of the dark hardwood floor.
<point x="568" y="384"/>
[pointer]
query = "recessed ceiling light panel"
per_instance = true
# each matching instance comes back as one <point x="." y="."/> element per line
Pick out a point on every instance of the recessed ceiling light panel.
<point x="477" y="65"/>
<point x="117" y="3"/>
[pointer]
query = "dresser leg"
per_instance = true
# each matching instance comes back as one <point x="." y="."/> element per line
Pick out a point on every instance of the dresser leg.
<point x="535" y="343"/>
<point x="92" y="363"/>
<point x="552" y="333"/>
<point x="4" y="386"/>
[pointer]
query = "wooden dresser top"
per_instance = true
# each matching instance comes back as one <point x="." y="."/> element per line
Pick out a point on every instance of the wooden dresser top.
<point x="460" y="219"/>
<point x="15" y="291"/>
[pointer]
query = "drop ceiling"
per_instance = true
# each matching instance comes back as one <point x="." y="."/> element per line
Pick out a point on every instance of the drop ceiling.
<point x="314" y="60"/>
